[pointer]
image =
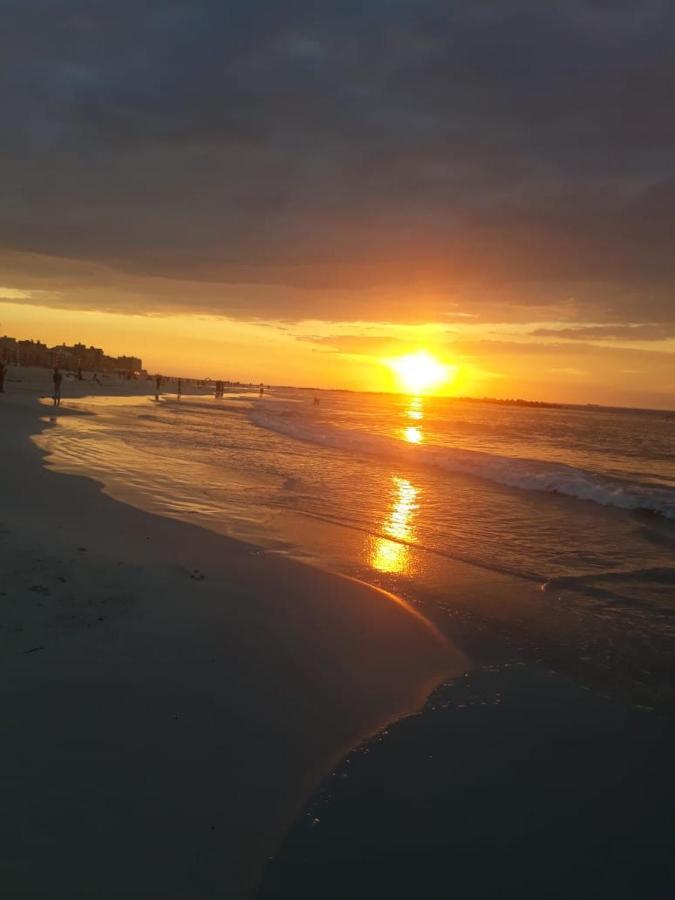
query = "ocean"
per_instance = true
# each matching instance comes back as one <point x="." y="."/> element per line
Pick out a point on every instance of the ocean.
<point x="573" y="506"/>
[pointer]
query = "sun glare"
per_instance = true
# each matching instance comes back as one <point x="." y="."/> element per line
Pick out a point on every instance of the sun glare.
<point x="419" y="373"/>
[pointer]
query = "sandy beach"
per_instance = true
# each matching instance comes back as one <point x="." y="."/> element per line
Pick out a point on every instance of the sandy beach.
<point x="170" y="697"/>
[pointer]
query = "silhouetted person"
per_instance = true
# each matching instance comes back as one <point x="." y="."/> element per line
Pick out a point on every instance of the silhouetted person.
<point x="3" y="372"/>
<point x="179" y="390"/>
<point x="158" y="383"/>
<point x="316" y="401"/>
<point x="79" y="373"/>
<point x="262" y="389"/>
<point x="57" y="378"/>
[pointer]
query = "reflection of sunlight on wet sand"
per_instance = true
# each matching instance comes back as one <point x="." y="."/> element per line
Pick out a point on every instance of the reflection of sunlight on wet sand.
<point x="413" y="435"/>
<point x="392" y="556"/>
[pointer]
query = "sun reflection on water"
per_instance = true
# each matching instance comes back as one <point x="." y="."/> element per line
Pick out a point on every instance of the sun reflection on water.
<point x="415" y="410"/>
<point x="413" y="435"/>
<point x="391" y="556"/>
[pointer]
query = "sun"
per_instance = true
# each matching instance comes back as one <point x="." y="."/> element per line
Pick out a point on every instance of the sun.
<point x="419" y="373"/>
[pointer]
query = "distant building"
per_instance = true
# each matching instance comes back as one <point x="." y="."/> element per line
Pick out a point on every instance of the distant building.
<point x="128" y="363"/>
<point x="24" y="353"/>
<point x="79" y="356"/>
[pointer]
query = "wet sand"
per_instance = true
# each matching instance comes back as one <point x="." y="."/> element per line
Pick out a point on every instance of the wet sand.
<point x="513" y="783"/>
<point x="171" y="697"/>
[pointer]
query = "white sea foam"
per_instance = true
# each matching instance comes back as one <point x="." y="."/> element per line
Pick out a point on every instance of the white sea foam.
<point x="527" y="474"/>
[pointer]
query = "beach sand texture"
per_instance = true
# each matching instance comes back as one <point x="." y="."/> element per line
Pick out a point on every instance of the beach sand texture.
<point x="171" y="697"/>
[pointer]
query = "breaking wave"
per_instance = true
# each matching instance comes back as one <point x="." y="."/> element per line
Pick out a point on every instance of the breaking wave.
<point x="526" y="474"/>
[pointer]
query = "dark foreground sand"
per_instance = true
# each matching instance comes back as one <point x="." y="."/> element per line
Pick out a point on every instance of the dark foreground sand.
<point x="169" y="697"/>
<point x="513" y="784"/>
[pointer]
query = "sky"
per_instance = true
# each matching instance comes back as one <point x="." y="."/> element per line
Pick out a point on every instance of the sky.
<point x="295" y="191"/>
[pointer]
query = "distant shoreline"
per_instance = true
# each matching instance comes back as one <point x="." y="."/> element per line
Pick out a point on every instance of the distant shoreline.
<point x="69" y="363"/>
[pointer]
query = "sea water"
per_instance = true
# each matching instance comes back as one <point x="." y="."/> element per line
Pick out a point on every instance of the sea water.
<point x="578" y="502"/>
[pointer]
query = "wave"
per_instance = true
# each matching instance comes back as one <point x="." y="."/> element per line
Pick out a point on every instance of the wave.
<point x="526" y="474"/>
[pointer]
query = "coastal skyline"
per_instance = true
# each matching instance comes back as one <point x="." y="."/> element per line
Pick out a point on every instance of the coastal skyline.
<point x="300" y="194"/>
<point x="417" y="374"/>
<point x="258" y="352"/>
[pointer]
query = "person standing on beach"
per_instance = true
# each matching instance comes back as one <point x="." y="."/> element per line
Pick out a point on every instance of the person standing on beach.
<point x="3" y="372"/>
<point x="179" y="390"/>
<point x="158" y="382"/>
<point x="57" y="378"/>
<point x="262" y="389"/>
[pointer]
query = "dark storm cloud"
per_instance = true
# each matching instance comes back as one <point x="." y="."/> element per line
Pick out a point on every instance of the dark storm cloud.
<point x="513" y="152"/>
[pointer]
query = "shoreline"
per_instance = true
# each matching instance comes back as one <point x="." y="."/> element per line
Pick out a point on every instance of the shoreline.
<point x="487" y="609"/>
<point x="172" y="696"/>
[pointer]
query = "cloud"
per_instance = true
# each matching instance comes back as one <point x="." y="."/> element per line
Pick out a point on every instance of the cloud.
<point x="493" y="349"/>
<point x="645" y="332"/>
<point x="13" y="294"/>
<point x="338" y="160"/>
<point x="369" y="345"/>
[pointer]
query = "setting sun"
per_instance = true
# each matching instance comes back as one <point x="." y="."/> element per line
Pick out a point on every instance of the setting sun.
<point x="420" y="372"/>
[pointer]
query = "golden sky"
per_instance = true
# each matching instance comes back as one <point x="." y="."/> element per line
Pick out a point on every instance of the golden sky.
<point x="490" y="360"/>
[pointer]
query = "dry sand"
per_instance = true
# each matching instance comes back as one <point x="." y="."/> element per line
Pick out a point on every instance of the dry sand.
<point x="170" y="697"/>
